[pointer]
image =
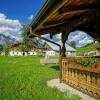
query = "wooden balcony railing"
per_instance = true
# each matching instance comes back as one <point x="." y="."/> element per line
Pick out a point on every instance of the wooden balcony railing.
<point x="86" y="79"/>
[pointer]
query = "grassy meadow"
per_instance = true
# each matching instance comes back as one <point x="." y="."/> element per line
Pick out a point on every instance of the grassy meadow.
<point x="87" y="48"/>
<point x="23" y="78"/>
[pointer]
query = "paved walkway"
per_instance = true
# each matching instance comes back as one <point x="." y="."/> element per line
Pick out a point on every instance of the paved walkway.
<point x="63" y="87"/>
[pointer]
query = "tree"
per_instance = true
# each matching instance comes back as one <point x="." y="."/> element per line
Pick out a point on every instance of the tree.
<point x="6" y="48"/>
<point x="73" y="44"/>
<point x="27" y="43"/>
<point x="23" y="48"/>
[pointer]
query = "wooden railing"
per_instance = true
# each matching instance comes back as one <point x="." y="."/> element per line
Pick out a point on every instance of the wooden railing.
<point x="86" y="79"/>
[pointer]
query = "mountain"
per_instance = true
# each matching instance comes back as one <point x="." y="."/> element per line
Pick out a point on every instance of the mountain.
<point x="6" y="39"/>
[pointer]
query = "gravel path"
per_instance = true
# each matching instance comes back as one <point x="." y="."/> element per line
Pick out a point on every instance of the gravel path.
<point x="63" y="87"/>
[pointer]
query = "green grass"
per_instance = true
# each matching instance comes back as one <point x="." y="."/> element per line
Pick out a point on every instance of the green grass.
<point x="23" y="78"/>
<point x="87" y="48"/>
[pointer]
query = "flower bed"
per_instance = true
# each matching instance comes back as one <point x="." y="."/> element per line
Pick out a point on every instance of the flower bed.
<point x="91" y="64"/>
<point x="87" y="61"/>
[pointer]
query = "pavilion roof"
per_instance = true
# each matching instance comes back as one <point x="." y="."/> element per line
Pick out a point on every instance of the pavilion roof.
<point x="57" y="15"/>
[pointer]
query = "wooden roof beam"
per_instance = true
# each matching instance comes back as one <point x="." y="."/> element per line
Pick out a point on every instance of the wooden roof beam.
<point x="77" y="8"/>
<point x="73" y="20"/>
<point x="62" y="21"/>
<point x="72" y="25"/>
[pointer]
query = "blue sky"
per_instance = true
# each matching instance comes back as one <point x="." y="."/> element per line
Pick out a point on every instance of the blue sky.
<point x="21" y="9"/>
<point x="15" y="13"/>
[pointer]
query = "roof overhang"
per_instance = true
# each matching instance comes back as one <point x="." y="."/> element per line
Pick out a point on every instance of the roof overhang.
<point x="58" y="15"/>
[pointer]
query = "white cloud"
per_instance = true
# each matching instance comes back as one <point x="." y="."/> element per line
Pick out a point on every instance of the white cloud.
<point x="9" y="27"/>
<point x="30" y="17"/>
<point x="81" y="38"/>
<point x="85" y="41"/>
<point x="2" y="16"/>
<point x="58" y="36"/>
<point x="76" y="36"/>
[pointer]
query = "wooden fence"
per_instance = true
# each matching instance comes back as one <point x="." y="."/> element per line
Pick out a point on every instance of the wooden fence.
<point x="86" y="79"/>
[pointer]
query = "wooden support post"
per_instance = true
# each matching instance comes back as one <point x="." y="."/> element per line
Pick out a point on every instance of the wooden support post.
<point x="64" y="38"/>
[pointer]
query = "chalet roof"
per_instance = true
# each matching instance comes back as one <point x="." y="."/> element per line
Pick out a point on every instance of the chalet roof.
<point x="56" y="48"/>
<point x="40" y="46"/>
<point x="16" y="44"/>
<point x="57" y="15"/>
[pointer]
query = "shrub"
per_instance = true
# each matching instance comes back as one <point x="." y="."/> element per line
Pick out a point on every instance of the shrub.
<point x="6" y="48"/>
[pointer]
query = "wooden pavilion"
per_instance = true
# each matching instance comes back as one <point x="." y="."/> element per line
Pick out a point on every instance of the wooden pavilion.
<point x="65" y="16"/>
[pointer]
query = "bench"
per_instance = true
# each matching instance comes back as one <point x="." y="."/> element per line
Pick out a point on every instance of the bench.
<point x="48" y="61"/>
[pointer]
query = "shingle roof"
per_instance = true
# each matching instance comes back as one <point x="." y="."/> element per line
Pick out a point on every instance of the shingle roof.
<point x="56" y="48"/>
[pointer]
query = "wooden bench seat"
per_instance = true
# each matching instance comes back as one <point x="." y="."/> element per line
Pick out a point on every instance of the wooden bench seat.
<point x="48" y="61"/>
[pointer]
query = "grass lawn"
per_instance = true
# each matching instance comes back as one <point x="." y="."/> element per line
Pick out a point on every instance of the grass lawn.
<point x="87" y="48"/>
<point x="23" y="78"/>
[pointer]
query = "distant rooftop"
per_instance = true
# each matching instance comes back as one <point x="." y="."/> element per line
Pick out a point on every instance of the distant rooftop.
<point x="56" y="48"/>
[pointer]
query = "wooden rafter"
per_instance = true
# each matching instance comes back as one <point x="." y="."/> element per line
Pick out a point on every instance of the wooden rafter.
<point x="74" y="21"/>
<point x="66" y="18"/>
<point x="78" y="7"/>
